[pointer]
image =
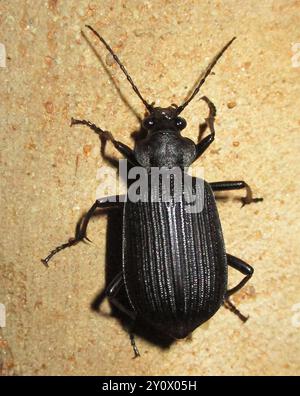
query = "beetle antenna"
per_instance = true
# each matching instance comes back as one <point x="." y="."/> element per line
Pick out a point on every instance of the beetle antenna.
<point x="206" y="74"/>
<point x="122" y="67"/>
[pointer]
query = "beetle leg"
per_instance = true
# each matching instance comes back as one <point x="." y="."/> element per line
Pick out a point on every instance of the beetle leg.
<point x="106" y="135"/>
<point x="111" y="292"/>
<point x="245" y="269"/>
<point x="81" y="232"/>
<point x="241" y="266"/>
<point x="228" y="305"/>
<point x="207" y="141"/>
<point x="133" y="344"/>
<point x="236" y="185"/>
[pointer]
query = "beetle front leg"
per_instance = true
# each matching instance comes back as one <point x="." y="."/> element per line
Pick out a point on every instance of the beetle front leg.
<point x="106" y="135"/>
<point x="236" y="185"/>
<point x="246" y="270"/>
<point x="207" y="141"/>
<point x="81" y="233"/>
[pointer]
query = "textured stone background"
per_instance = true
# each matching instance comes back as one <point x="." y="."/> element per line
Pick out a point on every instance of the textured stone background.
<point x="49" y="175"/>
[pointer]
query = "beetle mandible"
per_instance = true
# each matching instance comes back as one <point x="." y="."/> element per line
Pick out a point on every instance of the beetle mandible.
<point x="174" y="265"/>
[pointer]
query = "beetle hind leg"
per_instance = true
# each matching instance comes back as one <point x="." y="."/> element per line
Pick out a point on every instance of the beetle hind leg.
<point x="111" y="293"/>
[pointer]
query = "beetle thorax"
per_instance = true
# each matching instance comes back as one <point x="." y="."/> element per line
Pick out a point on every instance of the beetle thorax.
<point x="164" y="146"/>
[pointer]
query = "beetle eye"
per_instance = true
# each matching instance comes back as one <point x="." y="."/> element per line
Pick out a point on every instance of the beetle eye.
<point x="180" y="123"/>
<point x="149" y="123"/>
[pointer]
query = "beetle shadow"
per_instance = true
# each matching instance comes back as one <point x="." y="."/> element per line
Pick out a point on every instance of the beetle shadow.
<point x="113" y="266"/>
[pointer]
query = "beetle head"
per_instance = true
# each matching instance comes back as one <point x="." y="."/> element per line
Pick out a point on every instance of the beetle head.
<point x="166" y="119"/>
<point x="164" y="146"/>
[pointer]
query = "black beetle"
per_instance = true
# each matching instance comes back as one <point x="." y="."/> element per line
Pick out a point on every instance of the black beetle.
<point x="174" y="261"/>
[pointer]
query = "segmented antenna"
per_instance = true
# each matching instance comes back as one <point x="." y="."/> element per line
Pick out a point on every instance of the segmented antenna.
<point x="206" y="74"/>
<point x="122" y="67"/>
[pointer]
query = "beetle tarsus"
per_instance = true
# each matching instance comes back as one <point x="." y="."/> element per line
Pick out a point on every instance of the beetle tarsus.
<point x="45" y="262"/>
<point x="133" y="344"/>
<point x="71" y="242"/>
<point x="228" y="305"/>
<point x="103" y="134"/>
<point x="248" y="201"/>
<point x="249" y="197"/>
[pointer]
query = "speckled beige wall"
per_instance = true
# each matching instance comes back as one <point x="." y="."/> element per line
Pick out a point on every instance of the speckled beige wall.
<point x="48" y="175"/>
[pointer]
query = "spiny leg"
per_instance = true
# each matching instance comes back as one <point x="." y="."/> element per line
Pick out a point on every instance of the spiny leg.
<point x="81" y="233"/>
<point x="236" y="185"/>
<point x="111" y="292"/>
<point x="246" y="270"/>
<point x="207" y="141"/>
<point x="106" y="135"/>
